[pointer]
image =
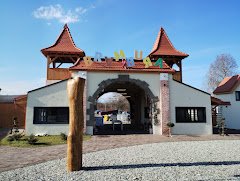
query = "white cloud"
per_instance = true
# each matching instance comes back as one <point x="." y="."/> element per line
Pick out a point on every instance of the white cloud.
<point x="56" y="12"/>
<point x="80" y="10"/>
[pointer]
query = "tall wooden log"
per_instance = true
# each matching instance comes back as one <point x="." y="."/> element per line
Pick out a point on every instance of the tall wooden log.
<point x="75" y="88"/>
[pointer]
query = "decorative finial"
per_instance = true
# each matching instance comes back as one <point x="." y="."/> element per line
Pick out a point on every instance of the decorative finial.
<point x="65" y="26"/>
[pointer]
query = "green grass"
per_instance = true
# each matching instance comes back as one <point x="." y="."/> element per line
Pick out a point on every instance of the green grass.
<point x="42" y="141"/>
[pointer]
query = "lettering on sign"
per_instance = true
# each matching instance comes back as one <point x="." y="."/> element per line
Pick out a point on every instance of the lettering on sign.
<point x="130" y="62"/>
<point x="159" y="63"/>
<point x="121" y="55"/>
<point x="109" y="61"/>
<point x="136" y="55"/>
<point x="126" y="62"/>
<point x="97" y="57"/>
<point x="87" y="60"/>
<point x="147" y="62"/>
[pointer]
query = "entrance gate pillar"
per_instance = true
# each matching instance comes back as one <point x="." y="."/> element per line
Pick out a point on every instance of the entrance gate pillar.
<point x="164" y="102"/>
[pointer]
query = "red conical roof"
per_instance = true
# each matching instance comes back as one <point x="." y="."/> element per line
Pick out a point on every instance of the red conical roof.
<point x="163" y="46"/>
<point x="64" y="45"/>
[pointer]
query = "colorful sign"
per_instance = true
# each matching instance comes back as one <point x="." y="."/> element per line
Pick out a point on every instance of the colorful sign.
<point x="109" y="61"/>
<point x="126" y="62"/>
<point x="147" y="62"/>
<point x="159" y="63"/>
<point x="97" y="57"/>
<point x="136" y="55"/>
<point x="87" y="60"/>
<point x="130" y="62"/>
<point x="120" y="55"/>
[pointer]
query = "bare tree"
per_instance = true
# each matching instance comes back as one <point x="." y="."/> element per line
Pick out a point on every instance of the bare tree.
<point x="116" y="102"/>
<point x="224" y="66"/>
<point x="123" y="104"/>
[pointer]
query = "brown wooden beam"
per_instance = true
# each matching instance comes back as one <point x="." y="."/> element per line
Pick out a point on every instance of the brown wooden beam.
<point x="48" y="60"/>
<point x="71" y="58"/>
<point x="51" y="59"/>
<point x="59" y="65"/>
<point x="63" y="55"/>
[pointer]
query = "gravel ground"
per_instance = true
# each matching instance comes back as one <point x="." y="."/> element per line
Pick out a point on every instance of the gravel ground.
<point x="195" y="160"/>
<point x="14" y="157"/>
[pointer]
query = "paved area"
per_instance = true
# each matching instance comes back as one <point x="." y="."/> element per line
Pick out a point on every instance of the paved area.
<point x="13" y="157"/>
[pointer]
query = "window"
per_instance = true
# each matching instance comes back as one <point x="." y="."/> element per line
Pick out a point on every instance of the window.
<point x="237" y="93"/>
<point x="190" y="114"/>
<point x="51" y="115"/>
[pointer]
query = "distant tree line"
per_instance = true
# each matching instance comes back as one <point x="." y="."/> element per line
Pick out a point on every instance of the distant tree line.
<point x="118" y="104"/>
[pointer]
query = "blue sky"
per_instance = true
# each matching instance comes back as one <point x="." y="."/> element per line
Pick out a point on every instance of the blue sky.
<point x="203" y="29"/>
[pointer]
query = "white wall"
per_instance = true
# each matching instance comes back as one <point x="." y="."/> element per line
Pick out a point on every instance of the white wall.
<point x="56" y="95"/>
<point x="231" y="113"/>
<point x="48" y="82"/>
<point x="180" y="96"/>
<point x="95" y="78"/>
<point x="184" y="96"/>
<point x="51" y="96"/>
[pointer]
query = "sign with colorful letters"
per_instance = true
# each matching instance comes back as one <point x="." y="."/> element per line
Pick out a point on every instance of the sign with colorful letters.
<point x="126" y="62"/>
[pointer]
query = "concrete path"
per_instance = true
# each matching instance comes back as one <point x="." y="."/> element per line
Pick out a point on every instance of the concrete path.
<point x="13" y="157"/>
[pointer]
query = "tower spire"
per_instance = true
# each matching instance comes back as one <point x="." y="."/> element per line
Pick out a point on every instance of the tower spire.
<point x="61" y="52"/>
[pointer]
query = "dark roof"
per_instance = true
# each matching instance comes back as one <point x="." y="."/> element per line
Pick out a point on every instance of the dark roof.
<point x="215" y="101"/>
<point x="117" y="66"/>
<point x="64" y="45"/>
<point x="227" y="85"/>
<point x="164" y="47"/>
<point x="9" y="98"/>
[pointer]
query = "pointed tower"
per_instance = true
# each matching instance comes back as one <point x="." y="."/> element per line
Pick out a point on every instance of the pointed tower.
<point x="163" y="48"/>
<point x="60" y="56"/>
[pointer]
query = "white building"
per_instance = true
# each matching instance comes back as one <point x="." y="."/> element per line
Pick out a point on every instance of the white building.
<point x="229" y="90"/>
<point x="154" y="90"/>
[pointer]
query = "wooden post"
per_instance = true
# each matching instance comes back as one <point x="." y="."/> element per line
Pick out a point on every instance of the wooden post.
<point x="75" y="88"/>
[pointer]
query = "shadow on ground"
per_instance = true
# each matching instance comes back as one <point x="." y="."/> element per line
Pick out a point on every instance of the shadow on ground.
<point x="162" y="165"/>
<point x="227" y="131"/>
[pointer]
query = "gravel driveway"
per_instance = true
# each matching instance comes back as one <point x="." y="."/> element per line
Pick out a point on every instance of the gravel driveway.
<point x="195" y="160"/>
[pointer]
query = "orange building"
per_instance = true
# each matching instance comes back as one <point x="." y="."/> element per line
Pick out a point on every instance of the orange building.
<point x="10" y="107"/>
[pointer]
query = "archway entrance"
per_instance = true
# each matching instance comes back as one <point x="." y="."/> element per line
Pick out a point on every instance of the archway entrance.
<point x="141" y="101"/>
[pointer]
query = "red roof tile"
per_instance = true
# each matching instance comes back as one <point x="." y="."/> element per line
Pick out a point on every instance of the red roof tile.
<point x="64" y="45"/>
<point x="227" y="85"/>
<point x="163" y="46"/>
<point x="117" y="66"/>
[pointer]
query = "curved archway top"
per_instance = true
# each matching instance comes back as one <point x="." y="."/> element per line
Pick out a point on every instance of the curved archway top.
<point x="123" y="78"/>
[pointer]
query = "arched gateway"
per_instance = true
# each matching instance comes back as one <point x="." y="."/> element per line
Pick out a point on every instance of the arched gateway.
<point x="151" y="84"/>
<point x="141" y="99"/>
